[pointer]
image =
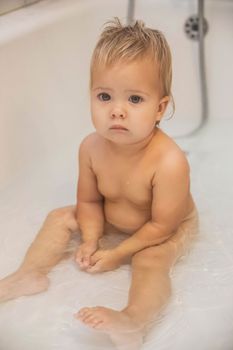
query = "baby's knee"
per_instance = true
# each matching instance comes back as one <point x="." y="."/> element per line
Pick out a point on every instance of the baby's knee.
<point x="152" y="258"/>
<point x="64" y="216"/>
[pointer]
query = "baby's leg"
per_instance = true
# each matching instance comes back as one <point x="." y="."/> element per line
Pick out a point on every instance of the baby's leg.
<point x="149" y="291"/>
<point x="48" y="248"/>
<point x="151" y="285"/>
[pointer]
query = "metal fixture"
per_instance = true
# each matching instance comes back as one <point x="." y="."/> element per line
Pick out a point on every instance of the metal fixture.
<point x="192" y="27"/>
<point x="199" y="26"/>
<point x="130" y="13"/>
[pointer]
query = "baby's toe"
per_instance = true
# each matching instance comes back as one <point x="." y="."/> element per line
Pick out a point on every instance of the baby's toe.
<point x="94" y="320"/>
<point x="98" y="325"/>
<point x="84" y="312"/>
<point x="92" y="317"/>
<point x="97" y="321"/>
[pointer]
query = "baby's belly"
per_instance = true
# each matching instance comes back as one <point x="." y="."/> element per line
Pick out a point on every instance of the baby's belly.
<point x="125" y="216"/>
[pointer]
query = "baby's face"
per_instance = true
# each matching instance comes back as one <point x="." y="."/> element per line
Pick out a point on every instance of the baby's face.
<point x="126" y="101"/>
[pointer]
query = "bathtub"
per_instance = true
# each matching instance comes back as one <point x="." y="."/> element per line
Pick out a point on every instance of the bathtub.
<point x="44" y="114"/>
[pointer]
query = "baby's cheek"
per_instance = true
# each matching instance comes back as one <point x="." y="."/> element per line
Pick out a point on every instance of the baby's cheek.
<point x="141" y="133"/>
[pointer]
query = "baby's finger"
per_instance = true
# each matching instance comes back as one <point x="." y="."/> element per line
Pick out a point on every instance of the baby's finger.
<point x="95" y="258"/>
<point x="94" y="268"/>
<point x="86" y="261"/>
<point x="79" y="257"/>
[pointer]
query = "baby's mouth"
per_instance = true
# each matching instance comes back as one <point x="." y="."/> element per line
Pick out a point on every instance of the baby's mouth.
<point x="118" y="127"/>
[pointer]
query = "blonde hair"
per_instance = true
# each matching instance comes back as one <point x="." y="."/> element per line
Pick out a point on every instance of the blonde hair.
<point x="132" y="42"/>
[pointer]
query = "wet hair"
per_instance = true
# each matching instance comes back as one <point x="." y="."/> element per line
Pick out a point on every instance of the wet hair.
<point x="119" y="43"/>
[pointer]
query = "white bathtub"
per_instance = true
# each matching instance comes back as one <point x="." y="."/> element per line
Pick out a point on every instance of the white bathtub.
<point x="44" y="114"/>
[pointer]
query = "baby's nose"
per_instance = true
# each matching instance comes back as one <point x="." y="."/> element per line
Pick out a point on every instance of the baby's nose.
<point x="117" y="113"/>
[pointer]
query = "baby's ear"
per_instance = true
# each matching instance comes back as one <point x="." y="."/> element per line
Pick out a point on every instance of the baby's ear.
<point x="162" y="105"/>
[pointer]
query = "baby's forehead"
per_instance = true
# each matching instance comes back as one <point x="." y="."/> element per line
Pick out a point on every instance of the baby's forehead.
<point x="127" y="77"/>
<point x="134" y="67"/>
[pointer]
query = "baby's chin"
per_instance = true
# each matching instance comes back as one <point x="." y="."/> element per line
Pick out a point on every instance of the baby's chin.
<point x="128" y="139"/>
<point x="118" y="137"/>
<point x="123" y="137"/>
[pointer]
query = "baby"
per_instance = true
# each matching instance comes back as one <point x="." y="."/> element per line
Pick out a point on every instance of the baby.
<point x="133" y="178"/>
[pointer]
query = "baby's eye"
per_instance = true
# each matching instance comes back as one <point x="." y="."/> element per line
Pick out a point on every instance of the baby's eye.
<point x="135" y="99"/>
<point x="103" y="96"/>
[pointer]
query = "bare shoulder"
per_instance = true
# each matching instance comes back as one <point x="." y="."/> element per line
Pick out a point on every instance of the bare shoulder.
<point x="90" y="140"/>
<point x="89" y="144"/>
<point x="169" y="154"/>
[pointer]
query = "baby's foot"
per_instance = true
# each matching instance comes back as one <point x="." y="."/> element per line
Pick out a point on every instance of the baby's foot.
<point x="121" y="328"/>
<point x="18" y="284"/>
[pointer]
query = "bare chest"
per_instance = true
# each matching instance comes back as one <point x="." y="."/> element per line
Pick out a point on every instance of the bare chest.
<point x="125" y="181"/>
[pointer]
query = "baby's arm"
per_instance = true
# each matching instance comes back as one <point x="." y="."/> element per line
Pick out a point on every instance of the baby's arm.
<point x="90" y="214"/>
<point x="171" y="193"/>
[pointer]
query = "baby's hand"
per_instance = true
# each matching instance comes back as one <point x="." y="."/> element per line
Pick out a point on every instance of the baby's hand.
<point x="84" y="252"/>
<point x="104" y="260"/>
